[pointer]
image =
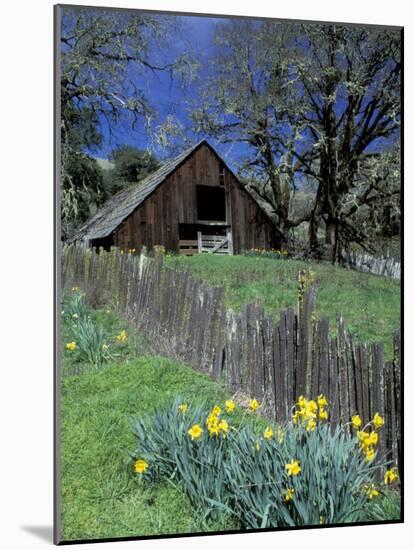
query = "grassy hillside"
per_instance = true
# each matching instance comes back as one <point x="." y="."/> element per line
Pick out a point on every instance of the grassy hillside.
<point x="369" y="304"/>
<point x="101" y="496"/>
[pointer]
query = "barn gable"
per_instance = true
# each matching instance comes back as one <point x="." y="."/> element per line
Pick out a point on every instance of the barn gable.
<point x="194" y="192"/>
<point x="120" y="206"/>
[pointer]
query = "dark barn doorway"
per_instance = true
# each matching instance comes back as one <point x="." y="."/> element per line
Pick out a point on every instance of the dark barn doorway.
<point x="211" y="203"/>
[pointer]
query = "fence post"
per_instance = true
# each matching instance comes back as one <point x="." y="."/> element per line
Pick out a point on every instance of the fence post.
<point x="199" y="242"/>
<point x="230" y="242"/>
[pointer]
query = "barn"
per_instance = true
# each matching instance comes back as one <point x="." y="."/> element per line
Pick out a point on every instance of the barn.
<point x="193" y="203"/>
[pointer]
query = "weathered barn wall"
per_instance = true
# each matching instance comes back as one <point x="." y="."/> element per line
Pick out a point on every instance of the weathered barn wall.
<point x="251" y="228"/>
<point x="174" y="202"/>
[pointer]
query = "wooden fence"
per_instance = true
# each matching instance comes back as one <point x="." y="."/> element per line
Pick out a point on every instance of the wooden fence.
<point x="387" y="267"/>
<point x="274" y="360"/>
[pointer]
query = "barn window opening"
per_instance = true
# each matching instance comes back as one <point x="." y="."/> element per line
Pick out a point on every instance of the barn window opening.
<point x="211" y="203"/>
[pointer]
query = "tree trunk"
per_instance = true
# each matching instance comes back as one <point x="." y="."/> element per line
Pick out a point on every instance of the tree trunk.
<point x="314" y="223"/>
<point x="330" y="232"/>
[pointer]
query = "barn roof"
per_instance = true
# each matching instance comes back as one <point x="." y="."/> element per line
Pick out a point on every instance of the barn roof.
<point x="122" y="204"/>
<point x="116" y="209"/>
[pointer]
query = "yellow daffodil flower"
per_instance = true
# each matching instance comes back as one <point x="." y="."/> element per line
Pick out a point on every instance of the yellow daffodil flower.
<point x="223" y="427"/>
<point x="293" y="468"/>
<point x="253" y="404"/>
<point x="183" y="408"/>
<point x="140" y="466"/>
<point x="322" y="401"/>
<point x="71" y="346"/>
<point x="363" y="438"/>
<point x="378" y="421"/>
<point x="214" y="430"/>
<point x="289" y="495"/>
<point x="195" y="431"/>
<point x="356" y="421"/>
<point x="372" y="492"/>
<point x="230" y="405"/>
<point x="390" y="476"/>
<point x="373" y="439"/>
<point x="212" y="421"/>
<point x="323" y="414"/>
<point x="369" y="454"/>
<point x="268" y="433"/>
<point x="301" y="402"/>
<point x="122" y="336"/>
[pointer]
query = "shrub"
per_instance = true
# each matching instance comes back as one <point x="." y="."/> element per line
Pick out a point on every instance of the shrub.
<point x="302" y="474"/>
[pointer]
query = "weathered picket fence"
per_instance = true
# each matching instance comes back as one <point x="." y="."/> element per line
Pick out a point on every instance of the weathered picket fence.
<point x="274" y="360"/>
<point x="384" y="266"/>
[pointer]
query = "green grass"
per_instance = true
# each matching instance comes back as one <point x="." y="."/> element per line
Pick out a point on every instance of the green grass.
<point x="386" y="507"/>
<point x="369" y="304"/>
<point x="101" y="496"/>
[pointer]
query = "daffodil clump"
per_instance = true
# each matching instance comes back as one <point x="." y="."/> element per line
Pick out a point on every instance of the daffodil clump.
<point x="85" y="340"/>
<point x="310" y="412"/>
<point x="368" y="437"/>
<point x="217" y="426"/>
<point x="264" y="475"/>
<point x="183" y="408"/>
<point x="159" y="249"/>
<point x="122" y="337"/>
<point x="267" y="253"/>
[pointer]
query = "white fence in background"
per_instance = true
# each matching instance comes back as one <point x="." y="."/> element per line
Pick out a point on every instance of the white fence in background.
<point x="386" y="267"/>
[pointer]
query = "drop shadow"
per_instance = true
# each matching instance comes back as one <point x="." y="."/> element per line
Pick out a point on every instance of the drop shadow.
<point x="43" y="532"/>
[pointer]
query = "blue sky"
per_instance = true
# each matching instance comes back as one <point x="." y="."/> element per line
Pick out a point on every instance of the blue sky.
<point x="167" y="96"/>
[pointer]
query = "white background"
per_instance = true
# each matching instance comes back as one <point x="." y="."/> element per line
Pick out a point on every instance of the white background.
<point x="26" y="299"/>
